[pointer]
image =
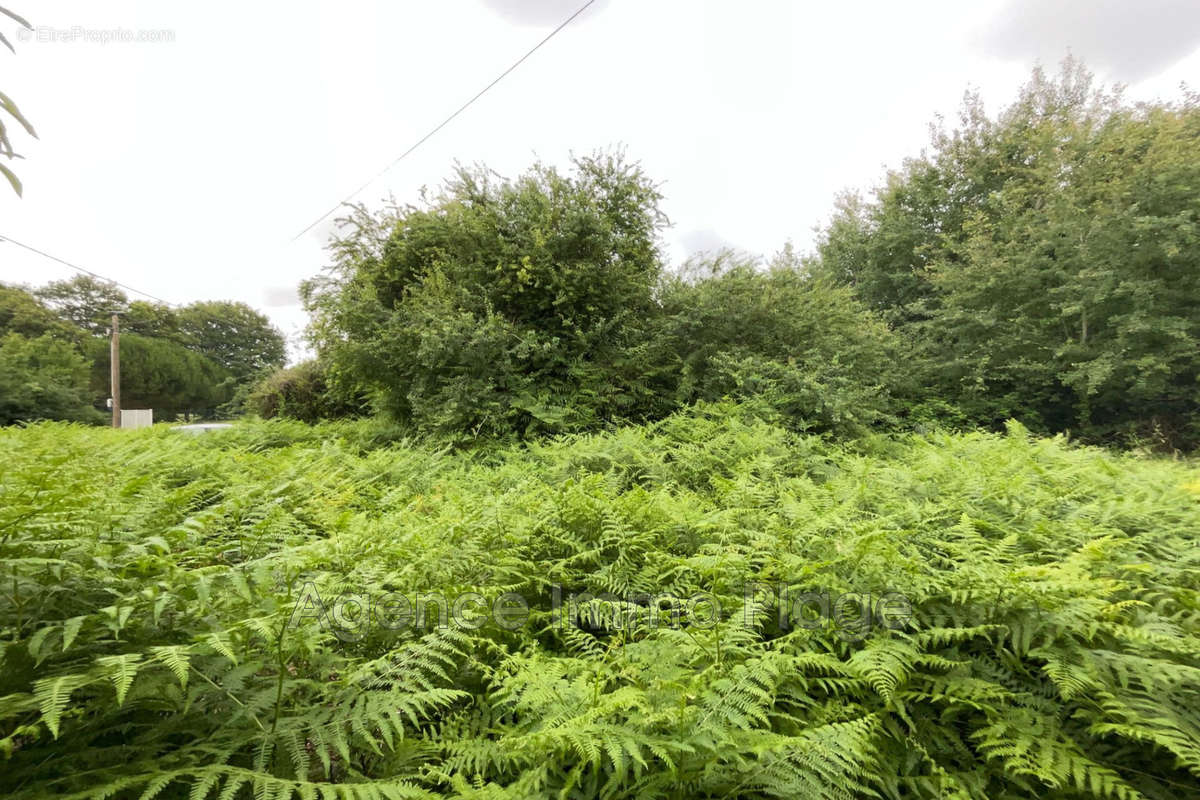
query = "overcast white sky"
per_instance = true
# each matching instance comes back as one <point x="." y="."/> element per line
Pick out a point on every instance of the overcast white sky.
<point x="184" y="167"/>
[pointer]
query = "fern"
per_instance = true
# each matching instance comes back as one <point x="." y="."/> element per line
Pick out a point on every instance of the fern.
<point x="149" y="585"/>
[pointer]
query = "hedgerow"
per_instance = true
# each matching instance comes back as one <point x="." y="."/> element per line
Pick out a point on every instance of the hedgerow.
<point x="152" y="645"/>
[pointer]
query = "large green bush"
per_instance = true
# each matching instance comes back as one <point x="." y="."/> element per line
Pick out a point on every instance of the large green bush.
<point x="498" y="306"/>
<point x="301" y="392"/>
<point x="803" y="346"/>
<point x="539" y="306"/>
<point x="152" y="646"/>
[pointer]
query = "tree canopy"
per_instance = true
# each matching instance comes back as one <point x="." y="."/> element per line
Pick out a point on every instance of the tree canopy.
<point x="43" y="377"/>
<point x="162" y="375"/>
<point x="234" y="335"/>
<point x="21" y="312"/>
<point x="189" y="360"/>
<point x="1044" y="264"/>
<point x="84" y="302"/>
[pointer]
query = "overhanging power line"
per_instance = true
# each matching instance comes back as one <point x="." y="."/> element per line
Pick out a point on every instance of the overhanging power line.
<point x="444" y="122"/>
<point x="66" y="263"/>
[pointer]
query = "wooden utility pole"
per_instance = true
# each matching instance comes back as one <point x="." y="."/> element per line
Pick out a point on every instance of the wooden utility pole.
<point x="115" y="372"/>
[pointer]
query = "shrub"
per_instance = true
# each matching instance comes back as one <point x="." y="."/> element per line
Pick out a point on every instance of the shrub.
<point x="803" y="346"/>
<point x="301" y="392"/>
<point x="500" y="306"/>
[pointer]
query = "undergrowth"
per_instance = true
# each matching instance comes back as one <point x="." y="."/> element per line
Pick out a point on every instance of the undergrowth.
<point x="152" y="645"/>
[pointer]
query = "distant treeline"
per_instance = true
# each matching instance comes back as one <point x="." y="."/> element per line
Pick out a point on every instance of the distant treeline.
<point x="194" y="360"/>
<point x="1042" y="264"/>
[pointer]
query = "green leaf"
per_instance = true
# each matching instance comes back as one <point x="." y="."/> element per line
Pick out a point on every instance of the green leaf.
<point x="175" y="657"/>
<point x="12" y="179"/>
<point x="71" y="630"/>
<point x="8" y="105"/>
<point x="220" y="643"/>
<point x="52" y="696"/>
<point x="121" y="670"/>
<point x="37" y="641"/>
<point x="155" y="787"/>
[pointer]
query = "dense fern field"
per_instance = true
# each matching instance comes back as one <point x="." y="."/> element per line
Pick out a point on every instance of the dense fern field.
<point x="711" y="606"/>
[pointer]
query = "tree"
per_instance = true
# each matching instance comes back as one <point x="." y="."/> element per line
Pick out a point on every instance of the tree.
<point x="500" y="305"/>
<point x="8" y="106"/>
<point x="152" y="319"/>
<point x="43" y="378"/>
<point x="21" y="312"/>
<point x="84" y="301"/>
<point x="1045" y="264"/>
<point x="162" y="375"/>
<point x="234" y="335"/>
<point x="164" y="365"/>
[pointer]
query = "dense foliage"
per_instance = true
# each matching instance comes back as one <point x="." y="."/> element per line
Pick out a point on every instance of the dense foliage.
<point x="84" y="302"/>
<point x="43" y="373"/>
<point x="1038" y="265"/>
<point x="804" y="347"/>
<point x="1044" y="264"/>
<point x="234" y="335"/>
<point x="499" y="305"/>
<point x="540" y="305"/>
<point x="301" y="392"/>
<point x="162" y="375"/>
<point x="188" y="360"/>
<point x="677" y="560"/>
<point x="154" y="645"/>
<point x="42" y="378"/>
<point x="22" y="313"/>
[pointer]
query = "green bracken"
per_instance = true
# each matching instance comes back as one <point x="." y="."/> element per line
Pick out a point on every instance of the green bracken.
<point x="149" y="580"/>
